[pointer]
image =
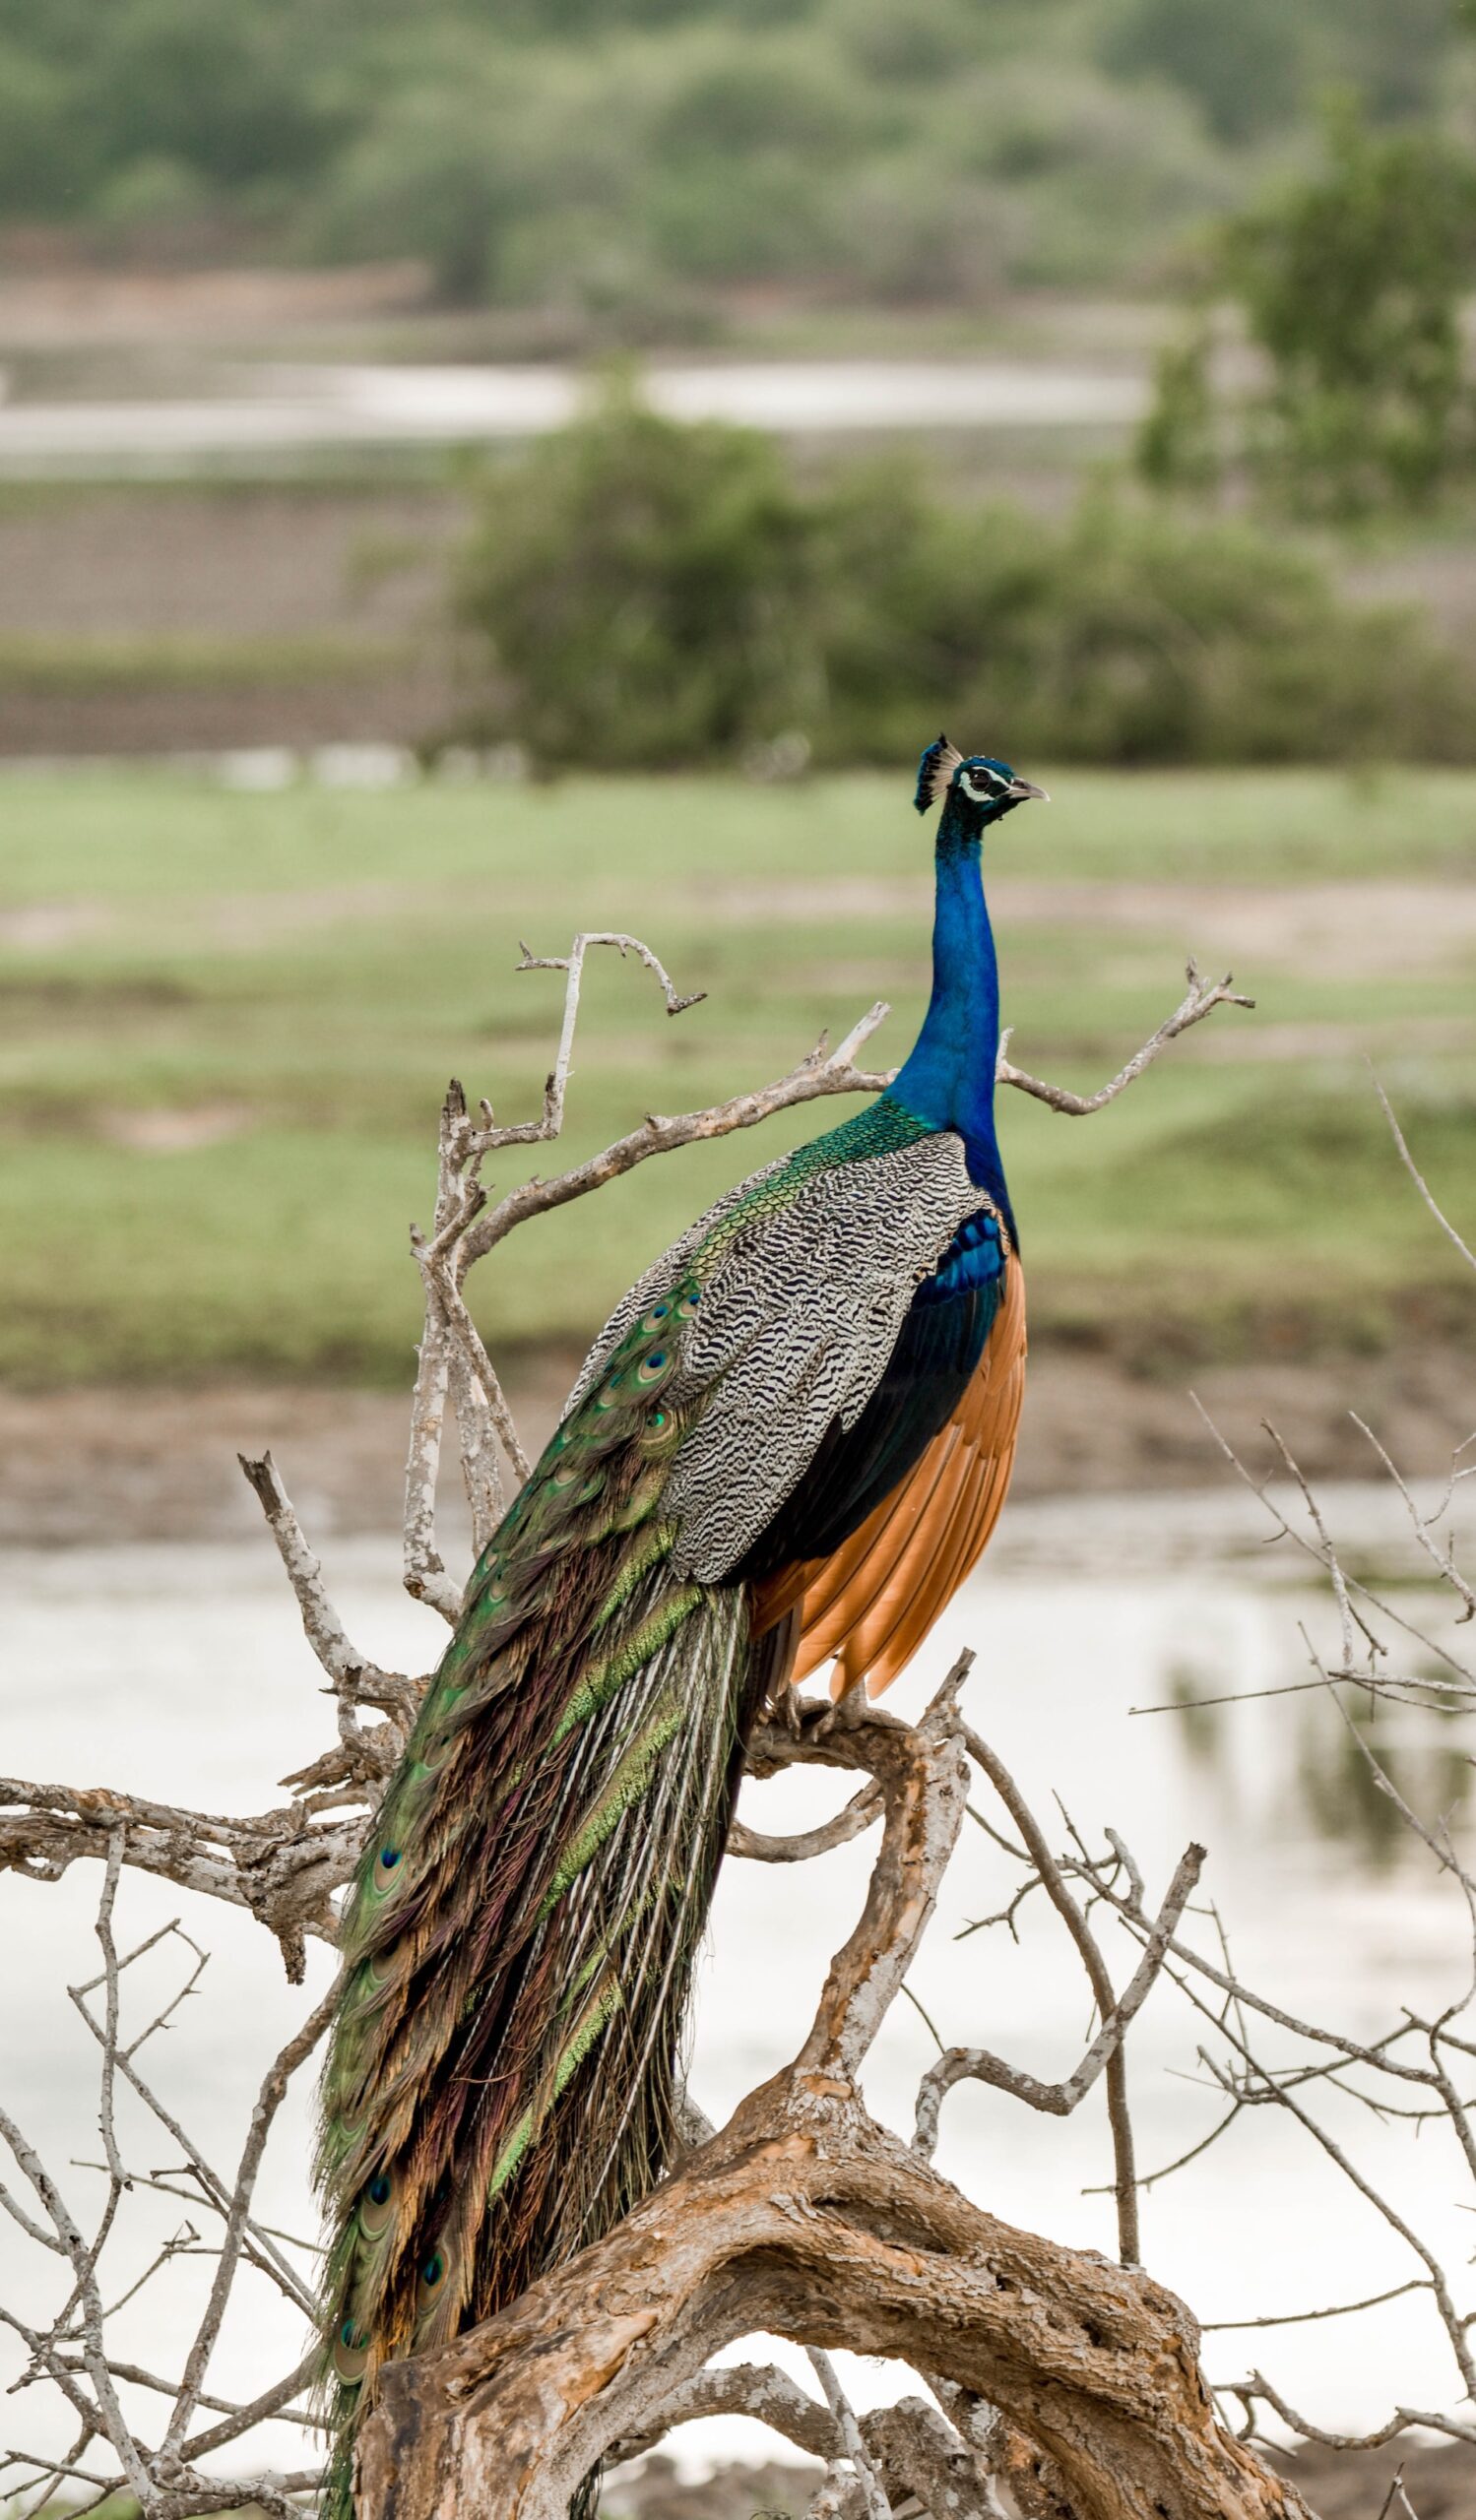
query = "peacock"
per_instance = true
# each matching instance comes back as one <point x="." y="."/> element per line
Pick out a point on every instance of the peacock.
<point x="788" y="1446"/>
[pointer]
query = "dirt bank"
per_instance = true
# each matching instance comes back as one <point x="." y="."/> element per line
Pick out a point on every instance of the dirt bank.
<point x="121" y="1463"/>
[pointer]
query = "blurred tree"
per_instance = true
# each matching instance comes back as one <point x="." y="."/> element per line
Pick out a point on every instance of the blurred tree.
<point x="641" y="588"/>
<point x="208" y="84"/>
<point x="1245" y="66"/>
<point x="907" y="39"/>
<point x="1393" y="58"/>
<point x="740" y="152"/>
<point x="434" y="173"/>
<point x="42" y="168"/>
<point x="671" y="148"/>
<point x="1180" y="445"/>
<point x="647" y="593"/>
<point x="1251" y="68"/>
<point x="1350" y="283"/>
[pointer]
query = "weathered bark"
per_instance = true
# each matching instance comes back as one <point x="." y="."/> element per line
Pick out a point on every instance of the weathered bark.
<point x="805" y="2219"/>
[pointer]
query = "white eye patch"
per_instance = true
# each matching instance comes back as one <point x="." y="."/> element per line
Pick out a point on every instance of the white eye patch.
<point x="993" y="789"/>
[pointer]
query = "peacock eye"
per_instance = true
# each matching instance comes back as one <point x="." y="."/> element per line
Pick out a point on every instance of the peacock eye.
<point x="350" y="2352"/>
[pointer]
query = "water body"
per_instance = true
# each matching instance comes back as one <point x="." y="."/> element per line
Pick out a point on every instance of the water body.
<point x="281" y="410"/>
<point x="183" y="1673"/>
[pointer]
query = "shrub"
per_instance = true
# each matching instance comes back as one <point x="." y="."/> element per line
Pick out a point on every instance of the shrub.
<point x="1350" y="283"/>
<point x="648" y="593"/>
<point x="641" y="586"/>
<point x="1135" y="636"/>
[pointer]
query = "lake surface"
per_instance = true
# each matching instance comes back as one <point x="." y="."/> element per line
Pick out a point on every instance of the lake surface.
<point x="279" y="410"/>
<point x="183" y="1673"/>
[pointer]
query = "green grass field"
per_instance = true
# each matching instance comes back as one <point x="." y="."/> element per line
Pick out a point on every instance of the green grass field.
<point x="227" y="1021"/>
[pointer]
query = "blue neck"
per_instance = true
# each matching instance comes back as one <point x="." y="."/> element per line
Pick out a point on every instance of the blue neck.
<point x="948" y="1081"/>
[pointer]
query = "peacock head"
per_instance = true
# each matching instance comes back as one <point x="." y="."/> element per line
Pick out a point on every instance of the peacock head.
<point x="980" y="788"/>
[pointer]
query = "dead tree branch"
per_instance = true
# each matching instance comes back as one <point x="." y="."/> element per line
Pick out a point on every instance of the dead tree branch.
<point x="1202" y="999"/>
<point x="1058" y="2100"/>
<point x="805" y="2219"/>
<point x="802" y="2217"/>
<point x="285" y="1863"/>
<point x="73" y="2351"/>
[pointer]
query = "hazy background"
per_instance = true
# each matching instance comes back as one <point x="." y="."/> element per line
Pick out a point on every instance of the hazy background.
<point x="1089" y="376"/>
<point x="470" y="472"/>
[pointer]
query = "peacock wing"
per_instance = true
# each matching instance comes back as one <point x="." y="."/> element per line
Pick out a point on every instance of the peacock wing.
<point x="805" y="1292"/>
<point x="869" y="1605"/>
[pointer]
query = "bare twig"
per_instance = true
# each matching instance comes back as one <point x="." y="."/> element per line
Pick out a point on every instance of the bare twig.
<point x="1418" y="1179"/>
<point x="1058" y="2100"/>
<point x="760" y="2389"/>
<point x="350" y="1670"/>
<point x="856" y="1816"/>
<point x="843" y="2414"/>
<point x="1099" y="1978"/>
<point x="281" y="1865"/>
<point x="268" y="2100"/>
<point x="1202" y="999"/>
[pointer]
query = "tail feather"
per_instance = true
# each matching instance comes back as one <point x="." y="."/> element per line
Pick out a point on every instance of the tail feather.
<point x="503" y="2078"/>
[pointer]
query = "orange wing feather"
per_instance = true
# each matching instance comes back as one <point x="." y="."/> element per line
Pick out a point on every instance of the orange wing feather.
<point x="871" y="1604"/>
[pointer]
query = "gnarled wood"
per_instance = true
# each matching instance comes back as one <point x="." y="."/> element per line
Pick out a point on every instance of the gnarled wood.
<point x="805" y="2219"/>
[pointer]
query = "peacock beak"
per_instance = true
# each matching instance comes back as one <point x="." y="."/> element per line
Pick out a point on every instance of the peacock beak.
<point x="1023" y="790"/>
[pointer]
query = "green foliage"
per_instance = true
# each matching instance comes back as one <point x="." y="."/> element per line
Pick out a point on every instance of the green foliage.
<point x="208" y="83"/>
<point x="652" y="593"/>
<point x="434" y="175"/>
<point x="34" y="134"/>
<point x="1244" y="65"/>
<point x="645" y="587"/>
<point x="1253" y="68"/>
<point x="1393" y="58"/>
<point x="1350" y="285"/>
<point x="627" y="153"/>
<point x="1138" y="637"/>
<point x="1178" y="443"/>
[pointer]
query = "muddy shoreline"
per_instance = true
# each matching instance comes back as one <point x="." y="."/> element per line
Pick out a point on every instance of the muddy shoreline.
<point x="126" y="1463"/>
